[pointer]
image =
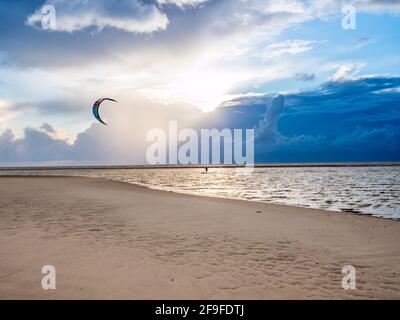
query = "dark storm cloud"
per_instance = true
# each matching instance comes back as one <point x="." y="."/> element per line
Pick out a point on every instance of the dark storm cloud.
<point x="346" y="95"/>
<point x="346" y="120"/>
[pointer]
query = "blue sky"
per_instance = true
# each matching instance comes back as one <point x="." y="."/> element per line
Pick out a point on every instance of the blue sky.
<point x="205" y="63"/>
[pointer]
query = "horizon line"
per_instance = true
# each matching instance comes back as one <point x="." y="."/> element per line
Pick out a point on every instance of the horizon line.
<point x="201" y="166"/>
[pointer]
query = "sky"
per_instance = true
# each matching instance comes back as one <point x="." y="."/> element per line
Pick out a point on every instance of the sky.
<point x="203" y="63"/>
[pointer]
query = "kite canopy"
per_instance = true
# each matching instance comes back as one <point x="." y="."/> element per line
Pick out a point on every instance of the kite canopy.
<point x="96" y="108"/>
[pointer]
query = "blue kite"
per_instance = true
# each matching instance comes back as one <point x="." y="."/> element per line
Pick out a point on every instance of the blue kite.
<point x="96" y="108"/>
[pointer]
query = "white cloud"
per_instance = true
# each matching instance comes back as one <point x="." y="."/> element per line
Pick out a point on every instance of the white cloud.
<point x="323" y="8"/>
<point x="348" y="72"/>
<point x="126" y="15"/>
<point x="378" y="5"/>
<point x="280" y="6"/>
<point x="56" y="134"/>
<point x="183" y="3"/>
<point x="289" y="46"/>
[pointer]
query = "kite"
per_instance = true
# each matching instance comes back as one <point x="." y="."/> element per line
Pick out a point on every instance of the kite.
<point x="96" y="108"/>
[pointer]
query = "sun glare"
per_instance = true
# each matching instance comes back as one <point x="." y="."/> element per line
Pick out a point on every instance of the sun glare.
<point x="206" y="90"/>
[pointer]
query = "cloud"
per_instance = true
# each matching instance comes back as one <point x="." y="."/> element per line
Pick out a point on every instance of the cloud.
<point x="7" y="146"/>
<point x="56" y="134"/>
<point x="201" y="56"/>
<point x="344" y="119"/>
<point x="266" y="129"/>
<point x="123" y="141"/>
<point x="36" y="145"/>
<point x="127" y="15"/>
<point x="183" y="3"/>
<point x="384" y="137"/>
<point x="45" y="144"/>
<point x="362" y="41"/>
<point x="347" y="94"/>
<point x="348" y="71"/>
<point x="326" y="7"/>
<point x="378" y="6"/>
<point x="281" y="6"/>
<point x="289" y="47"/>
<point x="192" y="61"/>
<point x="305" y="76"/>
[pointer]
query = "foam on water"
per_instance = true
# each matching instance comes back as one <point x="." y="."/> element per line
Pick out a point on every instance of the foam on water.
<point x="365" y="190"/>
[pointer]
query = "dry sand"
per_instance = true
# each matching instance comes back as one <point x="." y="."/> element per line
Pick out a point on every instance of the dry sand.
<point x="113" y="240"/>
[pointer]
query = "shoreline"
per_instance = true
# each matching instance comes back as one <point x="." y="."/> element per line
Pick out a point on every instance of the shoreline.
<point x="351" y="212"/>
<point x="111" y="239"/>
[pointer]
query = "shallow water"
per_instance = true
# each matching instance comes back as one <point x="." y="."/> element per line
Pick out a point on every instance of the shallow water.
<point x="364" y="190"/>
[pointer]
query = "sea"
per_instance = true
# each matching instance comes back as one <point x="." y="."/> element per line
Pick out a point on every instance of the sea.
<point x="362" y="190"/>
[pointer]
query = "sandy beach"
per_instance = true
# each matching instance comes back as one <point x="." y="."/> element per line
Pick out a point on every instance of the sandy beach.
<point x="111" y="240"/>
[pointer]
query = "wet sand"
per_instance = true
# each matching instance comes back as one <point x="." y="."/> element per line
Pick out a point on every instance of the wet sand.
<point x="113" y="240"/>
